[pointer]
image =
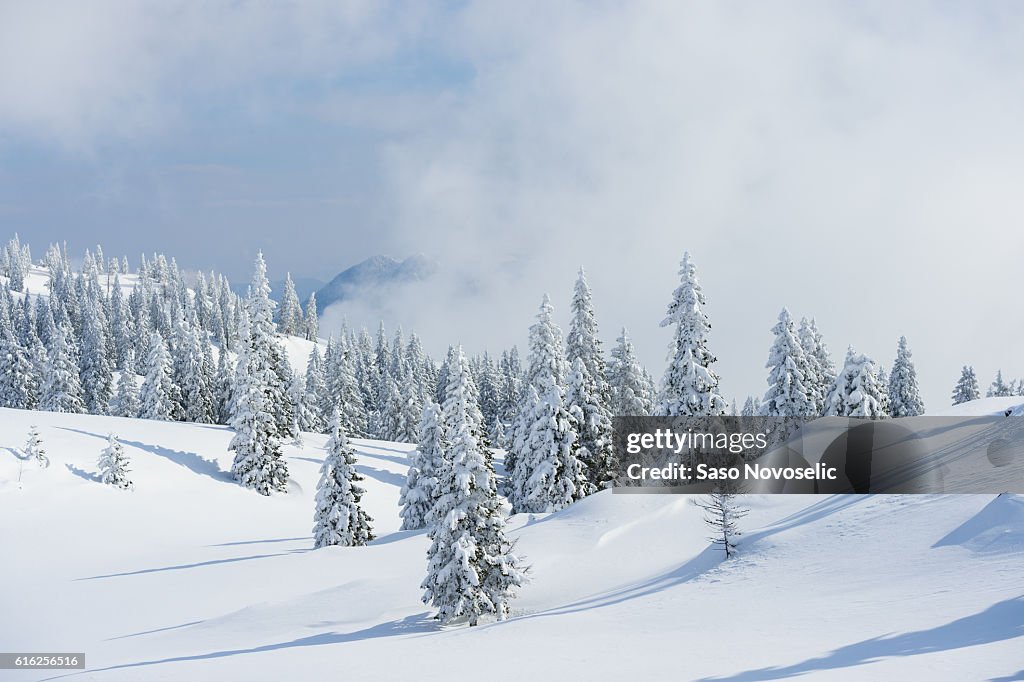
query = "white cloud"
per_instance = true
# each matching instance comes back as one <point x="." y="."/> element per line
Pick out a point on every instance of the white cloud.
<point x="856" y="162"/>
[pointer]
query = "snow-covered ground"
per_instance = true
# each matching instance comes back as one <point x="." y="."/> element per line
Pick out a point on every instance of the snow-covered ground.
<point x="189" y="576"/>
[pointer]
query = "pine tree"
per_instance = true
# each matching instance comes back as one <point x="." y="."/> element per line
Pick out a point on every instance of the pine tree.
<point x="690" y="386"/>
<point x="159" y="395"/>
<point x="998" y="388"/>
<point x="751" y="407"/>
<point x="856" y="392"/>
<point x="61" y="390"/>
<point x="966" y="388"/>
<point x="821" y="369"/>
<point x="721" y="512"/>
<point x="126" y="398"/>
<point x="289" y="320"/>
<point x="548" y="474"/>
<point x="302" y="416"/>
<point x="17" y="381"/>
<point x="113" y="464"/>
<point x="546" y="359"/>
<point x="312" y="325"/>
<point x="34" y="447"/>
<point x="339" y="520"/>
<point x="222" y="387"/>
<point x="471" y="568"/>
<point x="192" y="373"/>
<point x="427" y="461"/>
<point x="631" y="391"/>
<point x="316" y="397"/>
<point x="904" y="394"/>
<point x="791" y="394"/>
<point x="594" y="429"/>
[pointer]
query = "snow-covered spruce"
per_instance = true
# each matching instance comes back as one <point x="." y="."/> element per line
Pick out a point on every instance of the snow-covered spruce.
<point x="791" y="391"/>
<point x="34" y="447"/>
<point x="259" y="399"/>
<point x="61" y="391"/>
<point x="588" y="395"/>
<point x="904" y="394"/>
<point x="471" y="568"/>
<point x="966" y="388"/>
<point x="126" y="398"/>
<point x="159" y="396"/>
<point x="999" y="388"/>
<point x="113" y="464"/>
<point x="690" y="386"/>
<point x="821" y="371"/>
<point x="427" y="461"/>
<point x="548" y="474"/>
<point x="593" y="421"/>
<point x="856" y="392"/>
<point x="338" y="518"/>
<point x="632" y="393"/>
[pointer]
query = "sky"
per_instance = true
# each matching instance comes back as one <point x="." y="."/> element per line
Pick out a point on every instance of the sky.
<point x="860" y="163"/>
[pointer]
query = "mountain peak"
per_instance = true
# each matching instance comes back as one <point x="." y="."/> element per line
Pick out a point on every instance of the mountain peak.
<point x="373" y="273"/>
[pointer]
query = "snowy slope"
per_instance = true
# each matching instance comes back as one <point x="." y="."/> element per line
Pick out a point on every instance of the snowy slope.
<point x="191" y="577"/>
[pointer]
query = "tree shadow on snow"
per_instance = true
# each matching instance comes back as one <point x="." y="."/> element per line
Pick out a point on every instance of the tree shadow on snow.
<point x="709" y="558"/>
<point x="997" y="623"/>
<point x="82" y="473"/>
<point x="1012" y="677"/>
<point x="420" y="624"/>
<point x="190" y="460"/>
<point x="198" y="564"/>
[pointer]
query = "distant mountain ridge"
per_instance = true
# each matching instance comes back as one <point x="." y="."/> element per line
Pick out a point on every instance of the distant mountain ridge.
<point x="372" y="274"/>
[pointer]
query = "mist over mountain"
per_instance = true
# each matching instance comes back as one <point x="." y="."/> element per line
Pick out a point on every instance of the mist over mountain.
<point x="368" y="279"/>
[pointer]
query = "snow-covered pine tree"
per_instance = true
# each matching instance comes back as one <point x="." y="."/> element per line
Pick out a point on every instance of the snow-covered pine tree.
<point x="302" y="416"/>
<point x="190" y="372"/>
<point x="594" y="428"/>
<point x="588" y="389"/>
<point x="113" y="464"/>
<point x="261" y="358"/>
<point x="471" y="568"/>
<point x="722" y="510"/>
<point x="289" y="314"/>
<point x="882" y="379"/>
<point x="630" y="389"/>
<point x="223" y="382"/>
<point x="258" y="462"/>
<point x="61" y="390"/>
<point x="159" y="395"/>
<point x="998" y="388"/>
<point x="409" y="413"/>
<point x="316" y="391"/>
<point x="312" y="322"/>
<point x="819" y="361"/>
<point x="856" y="392"/>
<point x="751" y="407"/>
<point x="546" y="358"/>
<point x="791" y="395"/>
<point x="690" y="386"/>
<point x="426" y="463"/>
<point x="34" y="447"/>
<point x="548" y="474"/>
<point x="16" y="373"/>
<point x="967" y="388"/>
<point x="126" y="397"/>
<point x="338" y="519"/>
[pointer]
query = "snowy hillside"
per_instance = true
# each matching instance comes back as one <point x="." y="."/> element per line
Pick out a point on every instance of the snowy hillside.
<point x="191" y="576"/>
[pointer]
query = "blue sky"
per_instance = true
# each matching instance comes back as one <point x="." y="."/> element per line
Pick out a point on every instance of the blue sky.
<point x="857" y="162"/>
